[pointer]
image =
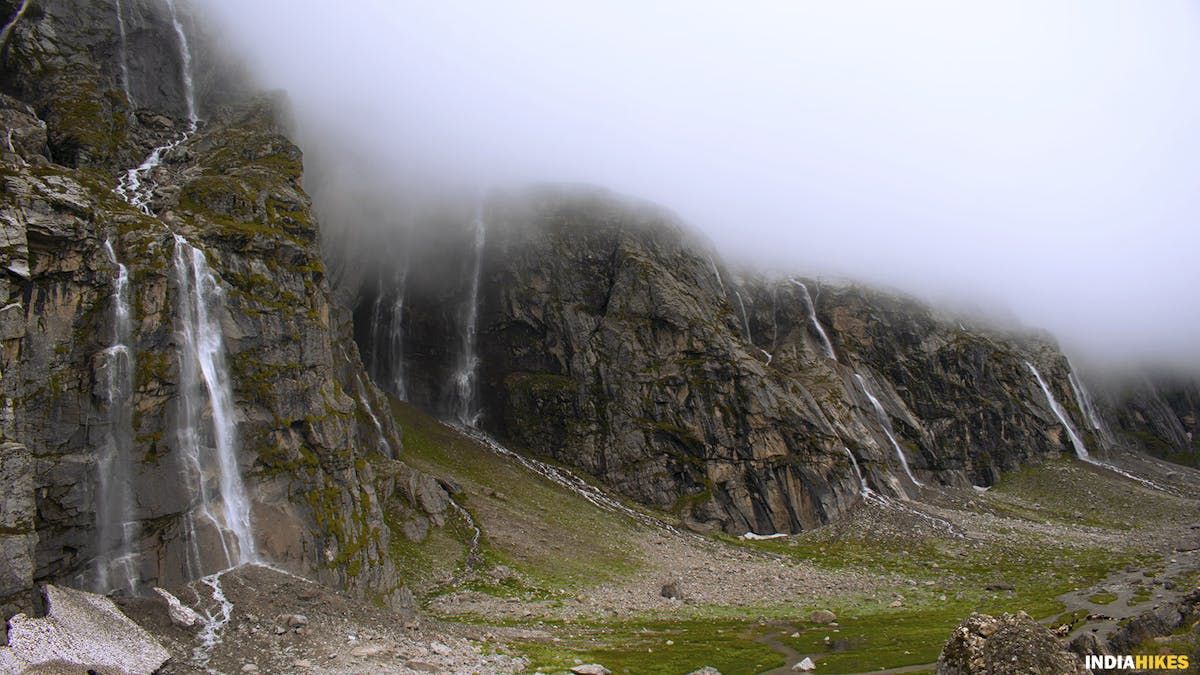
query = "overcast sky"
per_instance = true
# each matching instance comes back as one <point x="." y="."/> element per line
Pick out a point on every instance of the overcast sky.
<point x="1041" y="157"/>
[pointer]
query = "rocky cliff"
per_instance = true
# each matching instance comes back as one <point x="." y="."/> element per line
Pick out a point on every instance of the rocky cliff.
<point x="609" y="339"/>
<point x="85" y="99"/>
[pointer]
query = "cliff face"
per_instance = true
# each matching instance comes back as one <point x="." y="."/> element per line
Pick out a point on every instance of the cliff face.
<point x="612" y="342"/>
<point x="303" y="407"/>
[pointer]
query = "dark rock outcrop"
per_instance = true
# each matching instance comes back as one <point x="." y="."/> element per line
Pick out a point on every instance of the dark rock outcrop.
<point x="611" y="340"/>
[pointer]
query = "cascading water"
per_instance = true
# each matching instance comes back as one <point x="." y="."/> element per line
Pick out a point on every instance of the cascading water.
<point x="863" y="490"/>
<point x="717" y="274"/>
<point x="116" y="530"/>
<point x="135" y="186"/>
<point x="811" y="309"/>
<point x="185" y="54"/>
<point x="387" y="335"/>
<point x="124" y="44"/>
<point x="468" y="362"/>
<point x="384" y="447"/>
<point x="1085" y="402"/>
<point x="745" y="317"/>
<point x="8" y="27"/>
<point x="208" y="446"/>
<point x="1081" y="450"/>
<point x="1076" y="441"/>
<point x="886" y="423"/>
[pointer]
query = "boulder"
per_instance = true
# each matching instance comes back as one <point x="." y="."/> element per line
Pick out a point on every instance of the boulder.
<point x="1003" y="645"/>
<point x="84" y="630"/>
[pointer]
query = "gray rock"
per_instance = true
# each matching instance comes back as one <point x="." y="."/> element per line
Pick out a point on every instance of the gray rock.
<point x="706" y="670"/>
<point x="591" y="669"/>
<point x="181" y="614"/>
<point x="82" y="629"/>
<point x="822" y="616"/>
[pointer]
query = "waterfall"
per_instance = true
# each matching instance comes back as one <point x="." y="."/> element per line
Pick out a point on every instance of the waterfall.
<point x="887" y="428"/>
<point x="116" y="530"/>
<point x="4" y="33"/>
<point x="387" y="335"/>
<point x="185" y="55"/>
<point x="468" y="362"/>
<point x="1061" y="414"/>
<point x="135" y="186"/>
<point x="124" y="54"/>
<point x="717" y="274"/>
<point x="1085" y="402"/>
<point x="384" y="447"/>
<point x="745" y="318"/>
<point x="208" y="445"/>
<point x="1080" y="450"/>
<point x="863" y="490"/>
<point x="811" y="309"/>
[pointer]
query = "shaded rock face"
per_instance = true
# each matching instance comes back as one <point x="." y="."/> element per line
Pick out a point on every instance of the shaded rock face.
<point x="319" y="463"/>
<point x="611" y="341"/>
<point x="1157" y="414"/>
<point x="1009" y="643"/>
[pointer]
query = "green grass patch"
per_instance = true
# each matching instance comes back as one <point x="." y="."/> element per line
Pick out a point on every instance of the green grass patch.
<point x="661" y="648"/>
<point x="1105" y="598"/>
<point x="546" y="532"/>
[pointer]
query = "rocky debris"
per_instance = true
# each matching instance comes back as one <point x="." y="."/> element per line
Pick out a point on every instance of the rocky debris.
<point x="591" y="669"/>
<point x="822" y="616"/>
<point x="706" y="670"/>
<point x="670" y="590"/>
<point x="181" y="614"/>
<point x="330" y="631"/>
<point x="84" y="630"/>
<point x="1005" y="644"/>
<point x="804" y="666"/>
<point x="1158" y="622"/>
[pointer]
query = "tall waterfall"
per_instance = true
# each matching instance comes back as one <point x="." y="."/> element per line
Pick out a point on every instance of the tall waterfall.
<point x="1076" y="442"/>
<point x="208" y="443"/>
<point x="745" y="317"/>
<point x="124" y="53"/>
<point x="117" y="531"/>
<point x="886" y="423"/>
<point x="185" y="55"/>
<point x="7" y="30"/>
<point x="1085" y="403"/>
<point x="387" y="335"/>
<point x="135" y="186"/>
<point x="811" y="309"/>
<point x="465" y="411"/>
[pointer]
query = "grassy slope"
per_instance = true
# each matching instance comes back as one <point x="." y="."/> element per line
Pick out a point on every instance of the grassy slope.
<point x="560" y="543"/>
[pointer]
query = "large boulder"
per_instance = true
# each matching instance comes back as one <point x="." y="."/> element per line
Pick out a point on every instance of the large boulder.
<point x="1005" y="644"/>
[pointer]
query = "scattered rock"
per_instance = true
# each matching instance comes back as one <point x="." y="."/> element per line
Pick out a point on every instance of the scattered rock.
<point x="1009" y="643"/>
<point x="440" y="649"/>
<point x="998" y="586"/>
<point x="367" y="651"/>
<point x="293" y="621"/>
<point x="249" y="668"/>
<point x="671" y="591"/>
<point x="706" y="670"/>
<point x="181" y="614"/>
<point x="804" y="666"/>
<point x="822" y="616"/>
<point x="591" y="669"/>
<point x="896" y="603"/>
